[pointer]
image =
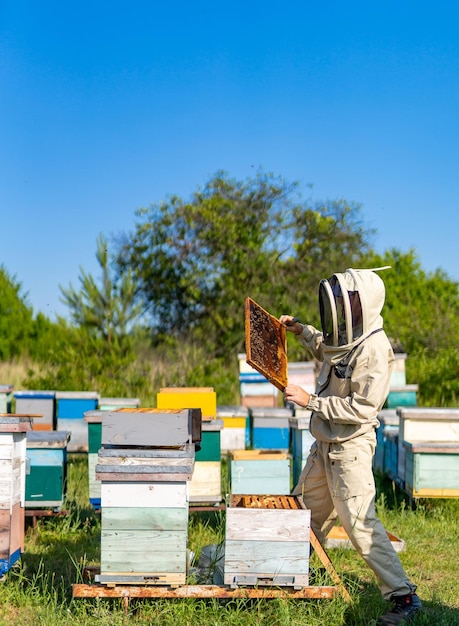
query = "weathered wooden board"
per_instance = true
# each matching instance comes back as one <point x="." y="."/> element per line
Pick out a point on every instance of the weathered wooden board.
<point x="268" y="524"/>
<point x="143" y="551"/>
<point x="151" y="427"/>
<point x="150" y="494"/>
<point x="5" y="533"/>
<point x="266" y="345"/>
<point x="201" y="591"/>
<point x="206" y="484"/>
<point x="16" y="423"/>
<point x="338" y="538"/>
<point x="153" y="463"/>
<point x="259" y="560"/>
<point x="143" y="518"/>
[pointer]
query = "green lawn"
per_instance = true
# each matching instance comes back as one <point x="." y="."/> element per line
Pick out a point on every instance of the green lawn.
<point x="38" y="589"/>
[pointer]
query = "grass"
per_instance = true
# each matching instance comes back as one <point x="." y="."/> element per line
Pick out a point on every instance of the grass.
<point x="38" y="589"/>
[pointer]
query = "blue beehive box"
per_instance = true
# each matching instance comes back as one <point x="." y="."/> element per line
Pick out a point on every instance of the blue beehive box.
<point x="270" y="428"/>
<point x="388" y="421"/>
<point x="71" y="407"/>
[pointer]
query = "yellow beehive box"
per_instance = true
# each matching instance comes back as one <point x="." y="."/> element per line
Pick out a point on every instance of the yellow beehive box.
<point x="203" y="398"/>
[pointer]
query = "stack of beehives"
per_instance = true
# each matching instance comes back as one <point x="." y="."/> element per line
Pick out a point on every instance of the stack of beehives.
<point x="205" y="486"/>
<point x="13" y="429"/>
<point x="144" y="465"/>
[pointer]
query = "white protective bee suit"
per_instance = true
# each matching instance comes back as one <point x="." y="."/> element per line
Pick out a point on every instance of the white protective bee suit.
<point x="357" y="360"/>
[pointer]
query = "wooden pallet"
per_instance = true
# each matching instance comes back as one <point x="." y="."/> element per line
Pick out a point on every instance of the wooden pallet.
<point x="33" y="514"/>
<point x="128" y="592"/>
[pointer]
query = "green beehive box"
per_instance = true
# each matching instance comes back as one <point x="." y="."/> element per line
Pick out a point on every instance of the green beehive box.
<point x="45" y="485"/>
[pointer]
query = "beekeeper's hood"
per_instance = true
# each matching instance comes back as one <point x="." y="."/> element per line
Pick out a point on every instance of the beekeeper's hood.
<point x="350" y="310"/>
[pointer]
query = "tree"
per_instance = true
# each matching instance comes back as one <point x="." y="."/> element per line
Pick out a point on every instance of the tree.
<point x="15" y="317"/>
<point x="422" y="309"/>
<point x="107" y="310"/>
<point x="195" y="261"/>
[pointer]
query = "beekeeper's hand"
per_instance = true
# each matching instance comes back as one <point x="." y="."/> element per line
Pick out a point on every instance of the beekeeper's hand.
<point x="295" y="393"/>
<point x="292" y="324"/>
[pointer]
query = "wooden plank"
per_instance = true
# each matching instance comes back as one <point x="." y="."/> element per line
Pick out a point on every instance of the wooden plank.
<point x="276" y="525"/>
<point x="201" y="591"/>
<point x="146" y="476"/>
<point x="266" y="345"/>
<point x="143" y="551"/>
<point x="154" y="494"/>
<point x="260" y="455"/>
<point x="206" y="483"/>
<point x="5" y="533"/>
<point x="142" y="518"/>
<point x="153" y="427"/>
<point x="265" y="558"/>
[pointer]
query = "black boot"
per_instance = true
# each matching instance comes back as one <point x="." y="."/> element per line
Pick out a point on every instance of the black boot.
<point x="403" y="611"/>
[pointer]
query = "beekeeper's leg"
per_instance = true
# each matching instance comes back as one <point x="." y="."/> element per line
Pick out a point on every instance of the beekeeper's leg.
<point x="352" y="486"/>
<point x="313" y="487"/>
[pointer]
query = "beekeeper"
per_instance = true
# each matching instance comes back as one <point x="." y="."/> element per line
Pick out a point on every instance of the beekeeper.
<point x="337" y="480"/>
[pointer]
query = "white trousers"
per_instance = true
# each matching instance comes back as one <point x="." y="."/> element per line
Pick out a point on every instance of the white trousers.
<point x="337" y="482"/>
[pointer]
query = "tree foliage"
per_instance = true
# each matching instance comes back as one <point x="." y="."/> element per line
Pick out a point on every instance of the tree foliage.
<point x="15" y="317"/>
<point x="195" y="261"/>
<point x="105" y="310"/>
<point x="421" y="312"/>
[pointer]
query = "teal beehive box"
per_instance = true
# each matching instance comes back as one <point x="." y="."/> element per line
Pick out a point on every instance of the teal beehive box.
<point x="46" y="469"/>
<point x="406" y="395"/>
<point x="301" y="442"/>
<point x="259" y="472"/>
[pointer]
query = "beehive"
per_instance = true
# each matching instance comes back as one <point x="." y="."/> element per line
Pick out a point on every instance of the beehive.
<point x="160" y="427"/>
<point x="236" y="428"/>
<point x="432" y="469"/>
<point x="6" y="397"/>
<point x="46" y="477"/>
<point x="270" y="428"/>
<point x="94" y="422"/>
<point x="144" y="532"/>
<point x="425" y="425"/>
<point x="301" y="442"/>
<point x="71" y="407"/>
<point x="38" y="402"/>
<point x="267" y="541"/>
<point x="205" y="486"/>
<point x="388" y="421"/>
<point x="203" y="398"/>
<point x="254" y="471"/>
<point x="13" y="429"/>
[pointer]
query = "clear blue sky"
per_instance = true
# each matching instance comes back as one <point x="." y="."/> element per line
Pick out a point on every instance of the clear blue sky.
<point x="109" y="106"/>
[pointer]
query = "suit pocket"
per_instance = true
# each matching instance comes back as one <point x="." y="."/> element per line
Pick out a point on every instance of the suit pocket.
<point x="345" y="474"/>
